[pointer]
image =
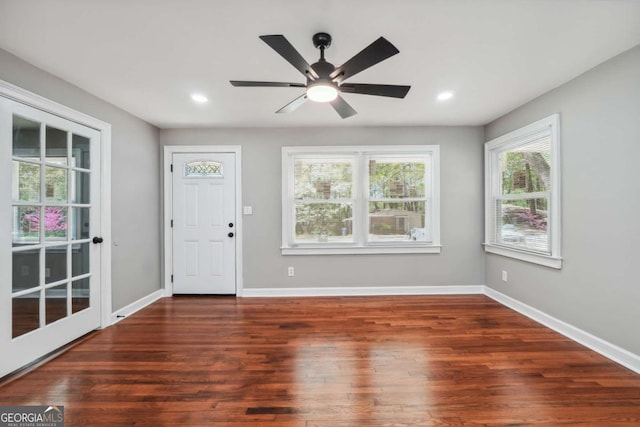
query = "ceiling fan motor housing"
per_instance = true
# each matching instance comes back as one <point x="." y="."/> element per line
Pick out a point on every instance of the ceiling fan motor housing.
<point x="323" y="69"/>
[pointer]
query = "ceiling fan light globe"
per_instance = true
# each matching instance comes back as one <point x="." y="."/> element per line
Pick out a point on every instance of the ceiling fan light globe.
<point x="322" y="93"/>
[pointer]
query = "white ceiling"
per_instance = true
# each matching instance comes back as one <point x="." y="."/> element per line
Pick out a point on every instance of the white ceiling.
<point x="148" y="56"/>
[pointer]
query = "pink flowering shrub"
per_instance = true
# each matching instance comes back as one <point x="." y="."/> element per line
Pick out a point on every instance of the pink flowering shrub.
<point x="55" y="221"/>
<point x="535" y="221"/>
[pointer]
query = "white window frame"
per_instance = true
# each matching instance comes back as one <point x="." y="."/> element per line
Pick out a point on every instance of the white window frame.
<point x="547" y="127"/>
<point x="360" y="199"/>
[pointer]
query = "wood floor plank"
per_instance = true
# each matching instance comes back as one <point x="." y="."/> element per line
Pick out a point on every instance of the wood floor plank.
<point x="339" y="361"/>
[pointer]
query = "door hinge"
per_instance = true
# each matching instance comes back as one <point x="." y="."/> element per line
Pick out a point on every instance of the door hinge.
<point x="172" y="278"/>
<point x="171" y="167"/>
<point x="171" y="223"/>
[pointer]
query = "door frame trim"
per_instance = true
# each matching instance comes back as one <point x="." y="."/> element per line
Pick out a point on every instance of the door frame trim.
<point x="23" y="96"/>
<point x="169" y="151"/>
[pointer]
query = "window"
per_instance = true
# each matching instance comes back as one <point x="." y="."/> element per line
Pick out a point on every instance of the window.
<point x="522" y="187"/>
<point x="341" y="200"/>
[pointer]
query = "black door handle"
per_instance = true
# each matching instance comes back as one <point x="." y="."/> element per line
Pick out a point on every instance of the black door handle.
<point x="230" y="225"/>
<point x="230" y="234"/>
<point x="97" y="240"/>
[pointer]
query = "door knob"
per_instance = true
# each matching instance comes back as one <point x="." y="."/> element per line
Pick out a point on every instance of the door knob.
<point x="230" y="225"/>
<point x="230" y="234"/>
<point x="97" y="240"/>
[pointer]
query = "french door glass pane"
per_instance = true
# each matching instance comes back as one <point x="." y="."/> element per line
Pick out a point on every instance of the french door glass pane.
<point x="523" y="223"/>
<point x="324" y="222"/>
<point x="323" y="178"/>
<point x="25" y="269"/>
<point x="79" y="259"/>
<point x="25" y="314"/>
<point x="55" y="223"/>
<point x="396" y="177"/>
<point x="26" y="225"/>
<point x="26" y="138"/>
<point x="56" y="303"/>
<point x="402" y="221"/>
<point x="55" y="184"/>
<point x="56" y="143"/>
<point x="80" y="224"/>
<point x="80" y="295"/>
<point x="80" y="187"/>
<point x="55" y="263"/>
<point x="80" y="152"/>
<point x="27" y="182"/>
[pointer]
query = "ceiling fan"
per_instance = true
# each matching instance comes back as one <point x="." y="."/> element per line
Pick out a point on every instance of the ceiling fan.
<point x="324" y="80"/>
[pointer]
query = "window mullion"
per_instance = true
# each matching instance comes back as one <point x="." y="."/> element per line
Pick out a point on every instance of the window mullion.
<point x="289" y="208"/>
<point x="359" y="212"/>
<point x="495" y="190"/>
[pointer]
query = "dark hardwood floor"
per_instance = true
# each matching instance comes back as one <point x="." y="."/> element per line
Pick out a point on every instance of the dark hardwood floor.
<point x="320" y="362"/>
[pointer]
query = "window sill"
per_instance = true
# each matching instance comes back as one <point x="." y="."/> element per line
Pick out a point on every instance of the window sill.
<point x="359" y="250"/>
<point x="545" y="260"/>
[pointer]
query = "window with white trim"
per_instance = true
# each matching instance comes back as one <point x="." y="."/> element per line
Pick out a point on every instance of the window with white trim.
<point x="360" y="199"/>
<point x="522" y="189"/>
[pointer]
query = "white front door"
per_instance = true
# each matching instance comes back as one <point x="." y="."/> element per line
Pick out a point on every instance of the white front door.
<point x="204" y="223"/>
<point x="49" y="214"/>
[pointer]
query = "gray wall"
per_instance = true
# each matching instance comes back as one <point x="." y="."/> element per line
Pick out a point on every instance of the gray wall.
<point x="135" y="182"/>
<point x="598" y="289"/>
<point x="461" y="260"/>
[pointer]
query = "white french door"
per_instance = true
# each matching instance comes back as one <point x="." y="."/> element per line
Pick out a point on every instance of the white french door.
<point x="49" y="232"/>
<point x="204" y="223"/>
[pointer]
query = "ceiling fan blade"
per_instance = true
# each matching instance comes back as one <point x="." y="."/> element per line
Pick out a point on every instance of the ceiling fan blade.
<point x="393" y="91"/>
<point x="377" y="51"/>
<point x="281" y="45"/>
<point x="242" y="83"/>
<point x="294" y="105"/>
<point x="345" y="110"/>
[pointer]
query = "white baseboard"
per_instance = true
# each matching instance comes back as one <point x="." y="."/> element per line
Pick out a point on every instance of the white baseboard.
<point x="136" y="306"/>
<point x="605" y="348"/>
<point x="362" y="291"/>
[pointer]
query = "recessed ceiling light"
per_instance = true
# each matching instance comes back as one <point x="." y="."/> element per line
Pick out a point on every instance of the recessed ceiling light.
<point x="443" y="96"/>
<point x="200" y="99"/>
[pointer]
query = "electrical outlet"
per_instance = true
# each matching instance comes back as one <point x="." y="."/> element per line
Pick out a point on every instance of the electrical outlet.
<point x="291" y="272"/>
<point x="504" y="276"/>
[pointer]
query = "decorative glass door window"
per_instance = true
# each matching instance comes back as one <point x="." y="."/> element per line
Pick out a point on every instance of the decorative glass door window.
<point x="203" y="168"/>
